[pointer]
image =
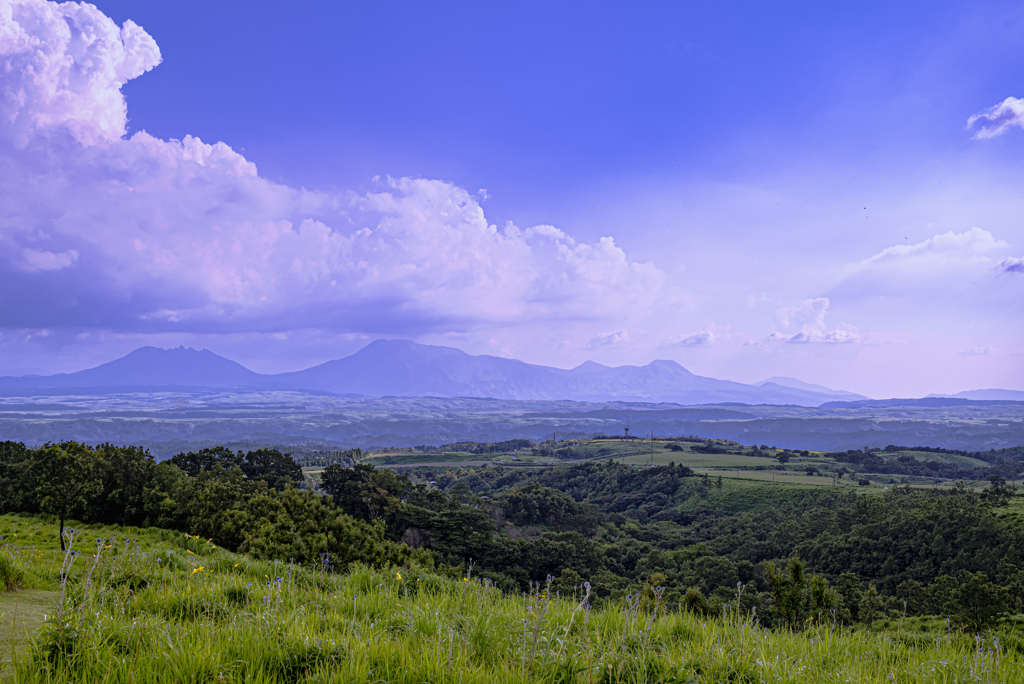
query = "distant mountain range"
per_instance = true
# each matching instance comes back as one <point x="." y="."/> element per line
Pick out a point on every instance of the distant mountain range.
<point x="407" y="369"/>
<point x="986" y="395"/>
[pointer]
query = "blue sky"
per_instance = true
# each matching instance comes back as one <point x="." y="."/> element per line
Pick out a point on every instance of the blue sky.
<point x="750" y="190"/>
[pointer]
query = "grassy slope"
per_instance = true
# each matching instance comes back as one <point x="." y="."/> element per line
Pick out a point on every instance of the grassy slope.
<point x="154" y="612"/>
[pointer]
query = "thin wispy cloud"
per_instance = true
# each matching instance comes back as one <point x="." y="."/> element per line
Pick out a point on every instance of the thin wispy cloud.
<point x="947" y="246"/>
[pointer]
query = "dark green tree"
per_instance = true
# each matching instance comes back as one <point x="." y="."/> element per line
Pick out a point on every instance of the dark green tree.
<point x="213" y="504"/>
<point x="978" y="603"/>
<point x="278" y="470"/>
<point x="193" y="462"/>
<point x="798" y="596"/>
<point x="67" y="479"/>
<point x="870" y="605"/>
<point x="17" y="491"/>
<point x="364" y="492"/>
<point x="788" y="586"/>
<point x="125" y="475"/>
<point x="300" y="526"/>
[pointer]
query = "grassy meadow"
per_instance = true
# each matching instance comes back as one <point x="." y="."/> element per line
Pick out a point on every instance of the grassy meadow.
<point x="147" y="605"/>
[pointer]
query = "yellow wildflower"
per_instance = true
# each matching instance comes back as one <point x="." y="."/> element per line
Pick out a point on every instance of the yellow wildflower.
<point x="199" y="569"/>
<point x="398" y="575"/>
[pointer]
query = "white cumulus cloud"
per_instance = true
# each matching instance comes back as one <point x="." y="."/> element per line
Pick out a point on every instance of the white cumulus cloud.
<point x="1011" y="265"/>
<point x="805" y="323"/>
<point x="608" y="338"/>
<point x="63" y="66"/>
<point x="697" y="339"/>
<point x="144" y="234"/>
<point x="996" y="120"/>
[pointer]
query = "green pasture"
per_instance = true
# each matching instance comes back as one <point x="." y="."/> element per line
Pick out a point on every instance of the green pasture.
<point x="381" y="460"/>
<point x="662" y="455"/>
<point x="137" y="606"/>
<point x="955" y="459"/>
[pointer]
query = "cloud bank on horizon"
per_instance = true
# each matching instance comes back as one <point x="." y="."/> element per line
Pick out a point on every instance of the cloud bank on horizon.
<point x="111" y="236"/>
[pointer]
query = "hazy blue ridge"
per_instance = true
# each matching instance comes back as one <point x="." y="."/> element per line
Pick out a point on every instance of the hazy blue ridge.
<point x="407" y="369"/>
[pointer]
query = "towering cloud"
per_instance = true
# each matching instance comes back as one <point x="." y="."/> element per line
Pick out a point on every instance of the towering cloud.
<point x="63" y="67"/>
<point x="142" y="234"/>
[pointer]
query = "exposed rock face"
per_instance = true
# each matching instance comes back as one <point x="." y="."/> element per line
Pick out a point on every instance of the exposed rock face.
<point x="416" y="538"/>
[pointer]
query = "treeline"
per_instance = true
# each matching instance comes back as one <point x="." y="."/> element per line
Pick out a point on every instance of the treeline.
<point x="307" y="457"/>
<point x="990" y="456"/>
<point x="243" y="501"/>
<point x="907" y="465"/>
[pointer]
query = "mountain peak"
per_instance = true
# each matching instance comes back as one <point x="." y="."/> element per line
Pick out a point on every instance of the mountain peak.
<point x="668" y="364"/>
<point x="590" y="367"/>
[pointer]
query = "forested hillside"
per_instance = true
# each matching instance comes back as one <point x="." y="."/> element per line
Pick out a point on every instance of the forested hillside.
<point x="903" y="552"/>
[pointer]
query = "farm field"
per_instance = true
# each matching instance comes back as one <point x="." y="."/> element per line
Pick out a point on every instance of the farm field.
<point x="739" y="462"/>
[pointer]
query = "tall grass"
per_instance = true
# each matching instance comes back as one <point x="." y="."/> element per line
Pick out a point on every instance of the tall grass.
<point x="129" y="611"/>
<point x="12" y="577"/>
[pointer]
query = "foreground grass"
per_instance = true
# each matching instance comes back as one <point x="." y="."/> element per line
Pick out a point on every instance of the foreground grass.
<point x="160" y="607"/>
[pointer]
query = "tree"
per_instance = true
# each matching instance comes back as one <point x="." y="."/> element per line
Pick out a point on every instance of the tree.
<point x="366" y="493"/>
<point x="999" y="493"/>
<point x="16" y="488"/>
<point x="782" y="457"/>
<point x="788" y="585"/>
<point x="798" y="595"/>
<point x="195" y="461"/>
<point x="125" y="474"/>
<point x="278" y="470"/>
<point x="214" y="502"/>
<point x="695" y="603"/>
<point x="67" y="480"/>
<point x="848" y="588"/>
<point x="978" y="603"/>
<point x="870" y="604"/>
<point x="301" y="526"/>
